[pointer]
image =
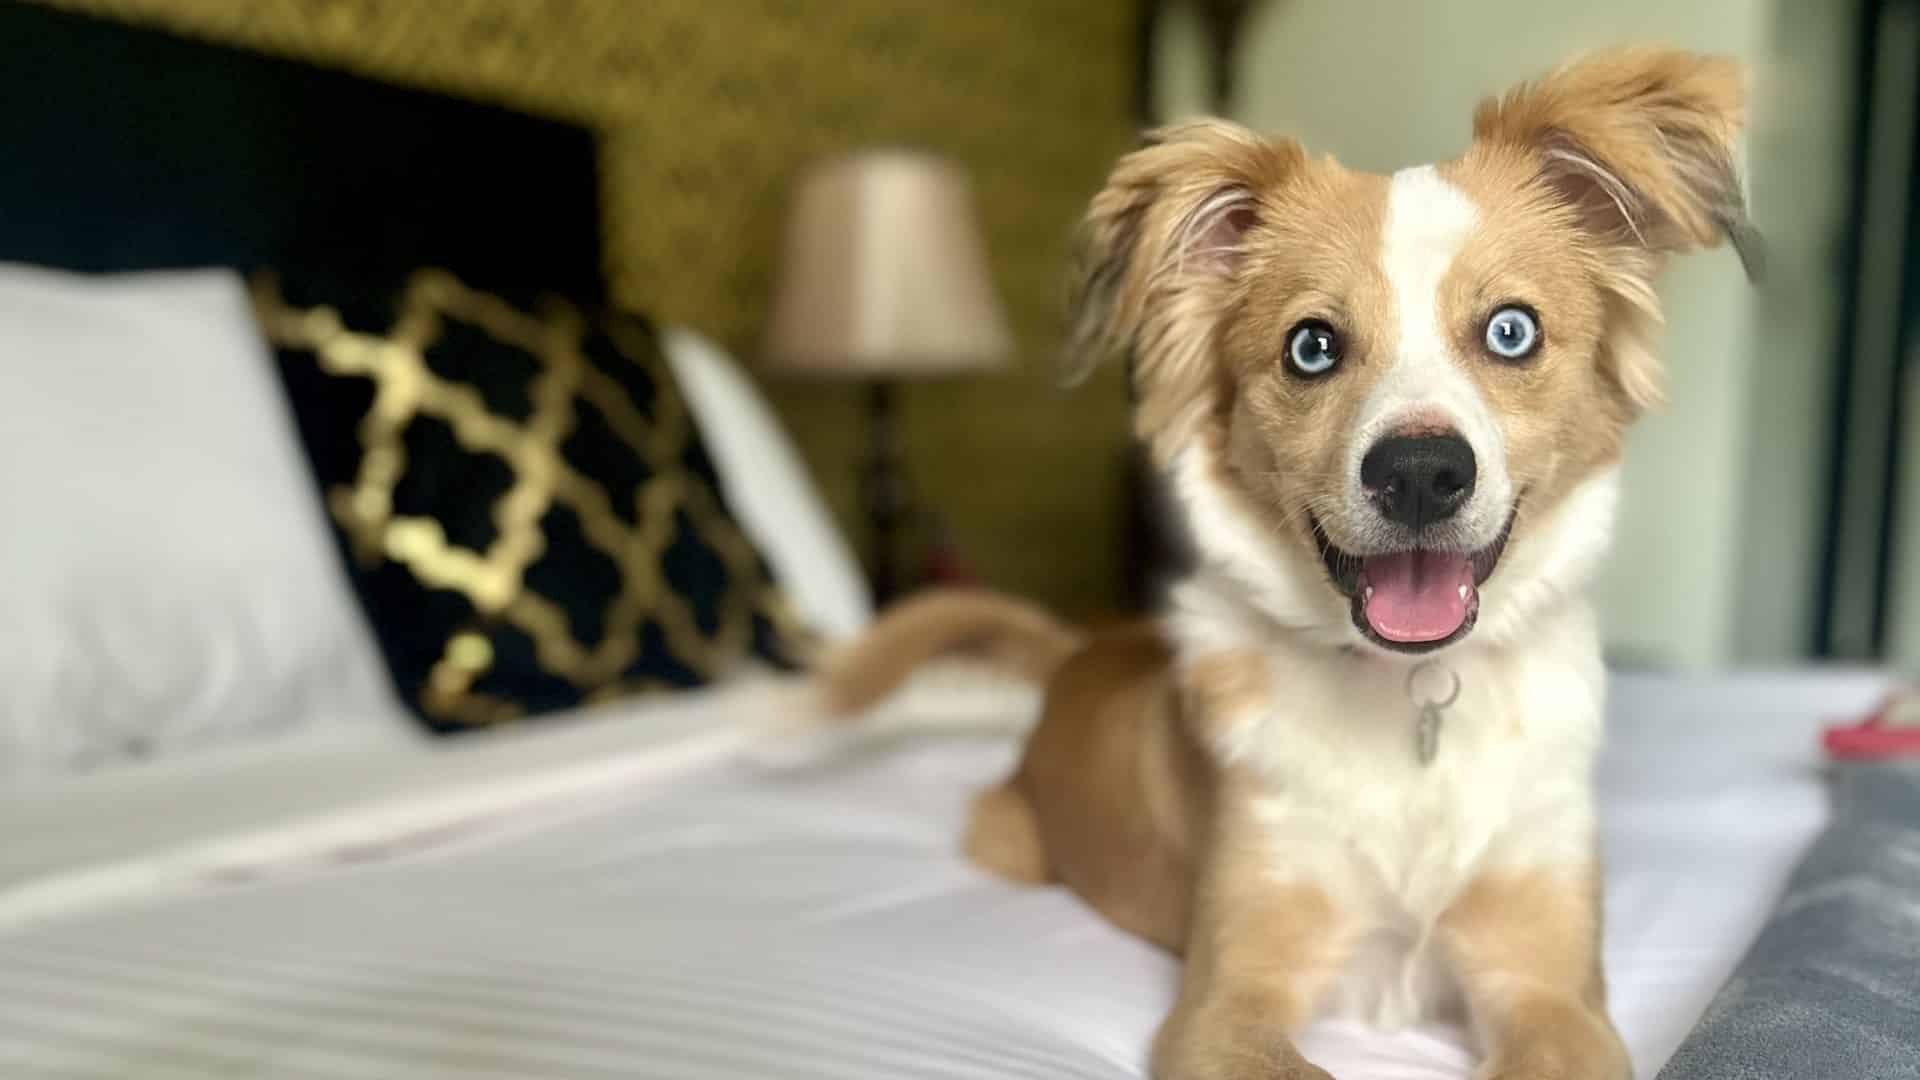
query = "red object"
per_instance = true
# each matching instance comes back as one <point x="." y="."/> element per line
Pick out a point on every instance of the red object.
<point x="946" y="566"/>
<point x="1891" y="731"/>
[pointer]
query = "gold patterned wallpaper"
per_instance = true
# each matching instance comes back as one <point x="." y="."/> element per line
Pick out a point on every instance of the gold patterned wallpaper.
<point x="707" y="108"/>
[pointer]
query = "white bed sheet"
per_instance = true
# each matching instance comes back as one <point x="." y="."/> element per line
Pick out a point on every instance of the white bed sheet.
<point x="709" y="915"/>
<point x="265" y="809"/>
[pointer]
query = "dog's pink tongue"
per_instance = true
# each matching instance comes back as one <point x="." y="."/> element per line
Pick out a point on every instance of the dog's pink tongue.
<point x="1416" y="595"/>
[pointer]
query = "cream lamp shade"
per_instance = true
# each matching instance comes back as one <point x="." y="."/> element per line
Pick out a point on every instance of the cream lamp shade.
<point x="884" y="274"/>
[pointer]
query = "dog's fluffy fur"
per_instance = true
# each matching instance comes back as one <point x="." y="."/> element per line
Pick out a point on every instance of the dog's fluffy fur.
<point x="1237" y="781"/>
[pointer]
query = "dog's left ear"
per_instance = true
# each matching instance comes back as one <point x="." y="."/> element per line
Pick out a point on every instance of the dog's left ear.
<point x="1642" y="142"/>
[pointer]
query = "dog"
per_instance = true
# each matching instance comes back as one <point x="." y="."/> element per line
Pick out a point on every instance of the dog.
<point x="1349" y="769"/>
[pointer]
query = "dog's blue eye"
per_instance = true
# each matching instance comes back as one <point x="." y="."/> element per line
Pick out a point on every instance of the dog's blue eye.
<point x="1512" y="333"/>
<point x="1313" y="348"/>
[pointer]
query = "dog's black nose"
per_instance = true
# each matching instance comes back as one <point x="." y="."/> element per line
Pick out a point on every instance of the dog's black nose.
<point x="1418" y="480"/>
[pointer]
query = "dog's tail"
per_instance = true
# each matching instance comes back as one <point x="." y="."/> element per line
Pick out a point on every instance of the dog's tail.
<point x="1012" y="635"/>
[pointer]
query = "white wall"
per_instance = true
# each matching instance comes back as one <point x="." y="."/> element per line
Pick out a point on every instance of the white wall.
<point x="1385" y="83"/>
<point x="1802" y="182"/>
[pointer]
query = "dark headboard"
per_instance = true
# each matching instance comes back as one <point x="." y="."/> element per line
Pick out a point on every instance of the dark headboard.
<point x="124" y="148"/>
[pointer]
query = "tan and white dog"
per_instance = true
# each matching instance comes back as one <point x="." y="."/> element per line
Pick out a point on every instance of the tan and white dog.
<point x="1350" y="769"/>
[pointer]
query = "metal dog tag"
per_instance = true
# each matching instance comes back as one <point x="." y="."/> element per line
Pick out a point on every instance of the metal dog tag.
<point x="1426" y="724"/>
<point x="1426" y="733"/>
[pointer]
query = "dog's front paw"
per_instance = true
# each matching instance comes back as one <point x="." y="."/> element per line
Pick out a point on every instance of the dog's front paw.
<point x="1553" y="1067"/>
<point x="1227" y="1042"/>
<point x="1576" y="1049"/>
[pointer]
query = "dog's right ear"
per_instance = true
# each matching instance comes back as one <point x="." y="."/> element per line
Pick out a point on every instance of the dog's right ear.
<point x="1157" y="253"/>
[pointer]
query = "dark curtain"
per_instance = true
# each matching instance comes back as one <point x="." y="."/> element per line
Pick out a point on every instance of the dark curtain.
<point x="1879" y="343"/>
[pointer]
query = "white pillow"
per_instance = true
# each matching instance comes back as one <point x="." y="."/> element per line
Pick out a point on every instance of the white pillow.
<point x="768" y="487"/>
<point x="168" y="576"/>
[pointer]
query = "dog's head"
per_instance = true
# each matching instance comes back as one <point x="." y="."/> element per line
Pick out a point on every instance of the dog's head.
<point x="1393" y="404"/>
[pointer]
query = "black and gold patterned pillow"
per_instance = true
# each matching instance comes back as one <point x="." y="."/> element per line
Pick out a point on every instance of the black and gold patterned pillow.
<point x="529" y="516"/>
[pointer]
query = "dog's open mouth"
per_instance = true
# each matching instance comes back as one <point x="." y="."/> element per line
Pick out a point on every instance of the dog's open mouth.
<point x="1415" y="600"/>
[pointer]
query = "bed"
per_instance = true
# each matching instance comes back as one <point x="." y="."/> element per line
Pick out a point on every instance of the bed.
<point x="675" y="885"/>
<point x="677" y="891"/>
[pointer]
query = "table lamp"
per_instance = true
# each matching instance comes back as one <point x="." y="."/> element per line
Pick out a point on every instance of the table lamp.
<point x="883" y="277"/>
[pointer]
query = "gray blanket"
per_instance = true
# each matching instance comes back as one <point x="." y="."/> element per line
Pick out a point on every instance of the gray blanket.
<point x="1831" y="987"/>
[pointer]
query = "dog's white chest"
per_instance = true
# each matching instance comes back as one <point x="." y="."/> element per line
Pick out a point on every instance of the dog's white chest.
<point x="1347" y="805"/>
<point x="1393" y="841"/>
<point x="1413" y="844"/>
